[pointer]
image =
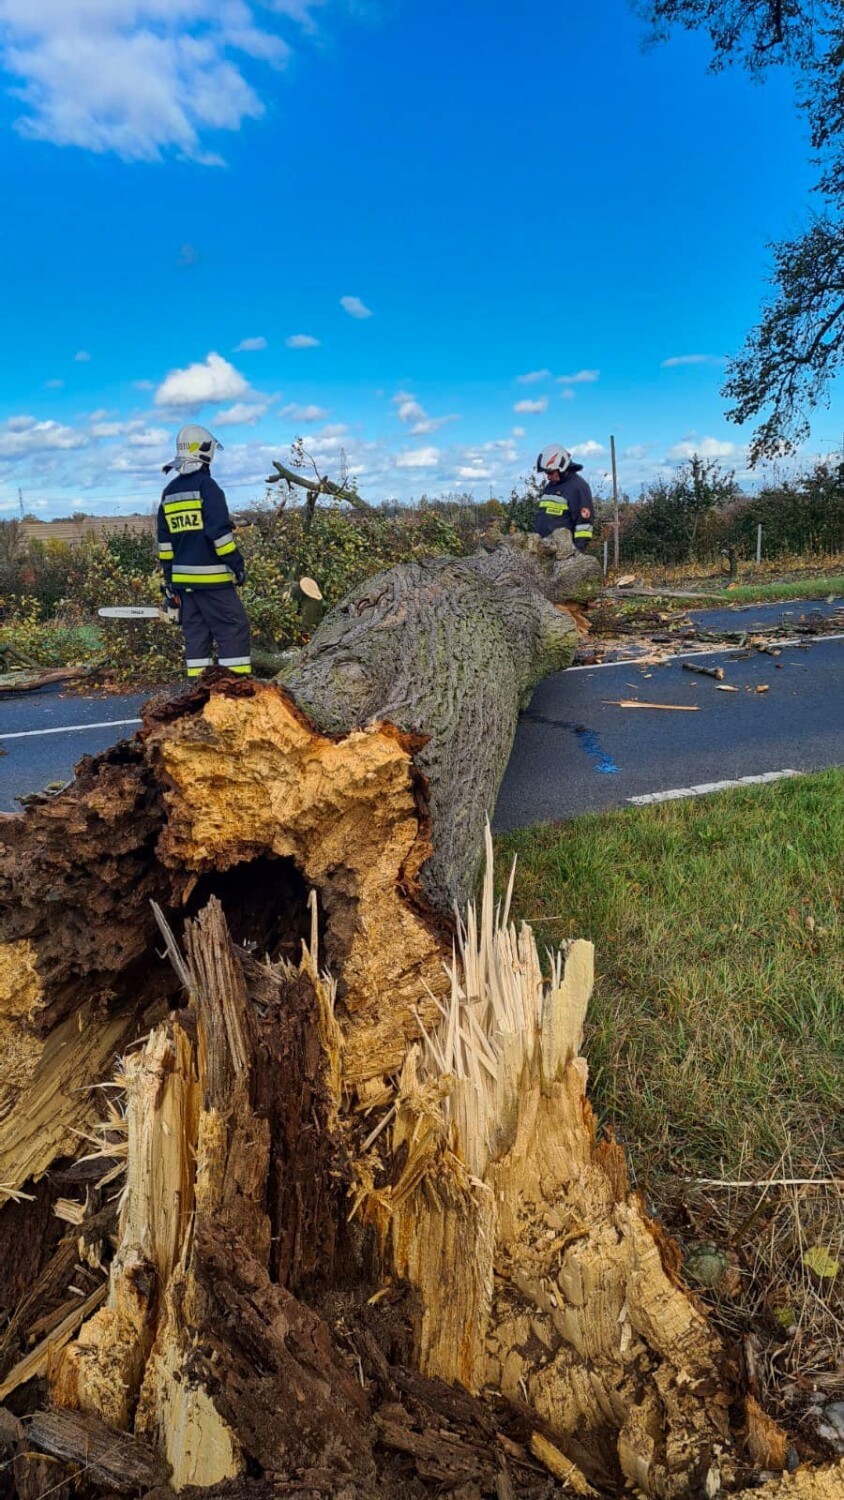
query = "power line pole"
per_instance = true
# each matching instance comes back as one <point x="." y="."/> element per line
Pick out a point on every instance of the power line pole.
<point x="614" y="502"/>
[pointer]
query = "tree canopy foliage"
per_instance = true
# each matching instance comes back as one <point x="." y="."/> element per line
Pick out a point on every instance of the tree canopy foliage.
<point x="790" y="357"/>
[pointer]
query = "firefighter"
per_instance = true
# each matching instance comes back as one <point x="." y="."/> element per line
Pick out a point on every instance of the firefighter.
<point x="566" y="499"/>
<point x="200" y="559"/>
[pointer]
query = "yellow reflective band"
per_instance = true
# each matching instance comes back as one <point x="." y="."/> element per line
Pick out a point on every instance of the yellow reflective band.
<point x="166" y="553"/>
<point x="241" y="670"/>
<point x="192" y="521"/>
<point x="171" y="507"/>
<point x="222" y="551"/>
<point x="583" y="530"/>
<point x="196" y="578"/>
<point x="554" y="507"/>
<point x="195" y="671"/>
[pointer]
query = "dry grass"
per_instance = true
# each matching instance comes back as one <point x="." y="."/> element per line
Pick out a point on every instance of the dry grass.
<point x="791" y="1319"/>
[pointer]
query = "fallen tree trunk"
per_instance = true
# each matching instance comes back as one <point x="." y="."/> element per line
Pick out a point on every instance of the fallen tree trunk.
<point x="367" y="1239"/>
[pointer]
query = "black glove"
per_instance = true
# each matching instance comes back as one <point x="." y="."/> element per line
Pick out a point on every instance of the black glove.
<point x="239" y="570"/>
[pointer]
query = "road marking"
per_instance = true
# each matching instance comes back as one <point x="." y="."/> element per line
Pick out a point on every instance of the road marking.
<point x="639" y="661"/>
<point x="27" y="734"/>
<point x="710" y="786"/>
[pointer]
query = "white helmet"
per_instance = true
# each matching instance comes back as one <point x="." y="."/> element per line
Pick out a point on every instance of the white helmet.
<point x="195" y="446"/>
<point x="555" y="456"/>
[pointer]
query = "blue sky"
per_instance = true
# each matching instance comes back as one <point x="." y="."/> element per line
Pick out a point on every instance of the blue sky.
<point x="368" y="222"/>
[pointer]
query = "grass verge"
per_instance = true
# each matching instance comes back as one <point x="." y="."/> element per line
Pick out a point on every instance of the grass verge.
<point x="805" y="588"/>
<point x="716" y="1033"/>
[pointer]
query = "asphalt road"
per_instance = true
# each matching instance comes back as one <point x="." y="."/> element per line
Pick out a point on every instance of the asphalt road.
<point x="40" y="747"/>
<point x="574" y="752"/>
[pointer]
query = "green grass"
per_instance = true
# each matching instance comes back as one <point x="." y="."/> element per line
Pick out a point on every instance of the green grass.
<point x="804" y="588"/>
<point x="759" y="593"/>
<point x="716" y="1032"/>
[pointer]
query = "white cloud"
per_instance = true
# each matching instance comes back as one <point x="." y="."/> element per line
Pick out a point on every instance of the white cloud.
<point x="355" y="308"/>
<point x="242" y="412"/>
<point x="418" y="458"/>
<point x="589" y="449"/>
<point x="582" y="377"/>
<point x="144" y="385"/>
<point x="567" y="395"/>
<point x="411" y="412"/>
<point x="474" y="471"/>
<point x="83" y="357"/>
<point x="533" y="376"/>
<point x="150" y="437"/>
<point x="708" y="447"/>
<point x="188" y="256"/>
<point x="302" y="341"/>
<point x="636" y="452"/>
<point x="432" y="424"/>
<point x="107" y="429"/>
<point x="690" y="359"/>
<point x="142" y="78"/>
<point x="53" y="385"/>
<point x="531" y="407"/>
<point x="22" y="437"/>
<point x="409" y="409"/>
<point x="250" y="346"/>
<point x="519" y="432"/>
<point x="214" y="380"/>
<point x="296" y="413"/>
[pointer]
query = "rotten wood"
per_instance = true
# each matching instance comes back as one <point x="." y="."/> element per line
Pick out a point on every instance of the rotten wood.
<point x="102" y="1454"/>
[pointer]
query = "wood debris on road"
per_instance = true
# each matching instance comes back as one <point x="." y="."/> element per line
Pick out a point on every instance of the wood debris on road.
<point x="717" y="672"/>
<point x="679" y="708"/>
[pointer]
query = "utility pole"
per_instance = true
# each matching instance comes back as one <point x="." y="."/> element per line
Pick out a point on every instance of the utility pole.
<point x="614" y="501"/>
<point x="20" y="502"/>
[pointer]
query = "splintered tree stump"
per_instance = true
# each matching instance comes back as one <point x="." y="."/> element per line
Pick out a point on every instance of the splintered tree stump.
<point x="312" y="1193"/>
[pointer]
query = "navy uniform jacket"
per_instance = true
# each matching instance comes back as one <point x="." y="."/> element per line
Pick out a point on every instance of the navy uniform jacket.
<point x="196" y="547"/>
<point x="567" y="503"/>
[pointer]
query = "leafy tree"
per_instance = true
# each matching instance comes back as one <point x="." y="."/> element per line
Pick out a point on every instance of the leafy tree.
<point x="788" y="360"/>
<point x="672" y="512"/>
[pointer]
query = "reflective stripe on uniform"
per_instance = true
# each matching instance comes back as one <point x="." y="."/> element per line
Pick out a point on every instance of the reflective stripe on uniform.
<point x="554" y="507"/>
<point x="185" y="497"/>
<point x="224" y="541"/>
<point x="234" y="661"/>
<point x="165" y="550"/>
<point x="201" y="575"/>
<point x="197" y="664"/>
<point x="176" y="510"/>
<point x="583" y="530"/>
<point x="243" y="671"/>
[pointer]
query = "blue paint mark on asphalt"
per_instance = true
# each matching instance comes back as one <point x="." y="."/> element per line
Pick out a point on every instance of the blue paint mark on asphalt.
<point x="604" y="763"/>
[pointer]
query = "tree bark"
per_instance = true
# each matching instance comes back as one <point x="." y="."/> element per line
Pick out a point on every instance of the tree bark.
<point x="342" y="1225"/>
<point x="450" y="649"/>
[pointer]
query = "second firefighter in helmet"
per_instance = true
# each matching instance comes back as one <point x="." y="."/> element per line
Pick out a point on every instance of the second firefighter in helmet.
<point x="565" y="499"/>
<point x="200" y="559"/>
